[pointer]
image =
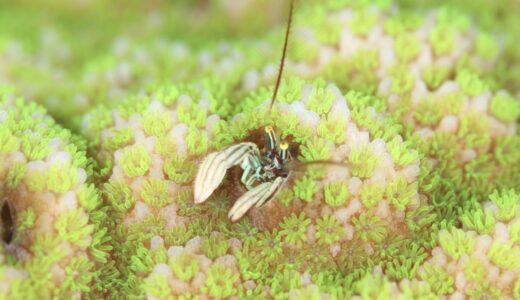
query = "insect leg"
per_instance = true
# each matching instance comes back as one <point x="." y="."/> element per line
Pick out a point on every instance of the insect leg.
<point x="245" y="178"/>
<point x="259" y="194"/>
<point x="214" y="166"/>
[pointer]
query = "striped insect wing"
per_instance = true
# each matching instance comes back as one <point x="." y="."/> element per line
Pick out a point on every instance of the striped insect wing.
<point x="209" y="176"/>
<point x="255" y="197"/>
<point x="214" y="166"/>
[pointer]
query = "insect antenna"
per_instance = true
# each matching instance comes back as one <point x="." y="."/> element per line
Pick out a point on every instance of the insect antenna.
<point x="284" y="52"/>
<point x="301" y="166"/>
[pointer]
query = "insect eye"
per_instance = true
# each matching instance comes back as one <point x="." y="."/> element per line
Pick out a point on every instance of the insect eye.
<point x="270" y="137"/>
<point x="284" y="150"/>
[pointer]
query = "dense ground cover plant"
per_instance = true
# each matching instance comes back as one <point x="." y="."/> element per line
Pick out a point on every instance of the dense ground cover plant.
<point x="420" y="103"/>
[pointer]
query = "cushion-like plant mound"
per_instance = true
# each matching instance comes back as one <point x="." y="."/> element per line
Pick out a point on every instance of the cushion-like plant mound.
<point x="343" y="218"/>
<point x="52" y="227"/>
<point x="419" y="102"/>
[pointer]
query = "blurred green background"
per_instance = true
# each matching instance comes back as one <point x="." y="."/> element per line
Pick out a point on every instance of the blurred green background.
<point x="71" y="55"/>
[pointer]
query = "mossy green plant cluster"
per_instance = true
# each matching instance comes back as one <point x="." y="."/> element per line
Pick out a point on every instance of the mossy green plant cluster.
<point x="54" y="236"/>
<point x="415" y="102"/>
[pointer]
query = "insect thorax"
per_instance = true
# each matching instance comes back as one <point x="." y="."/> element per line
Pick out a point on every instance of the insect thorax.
<point x="265" y="165"/>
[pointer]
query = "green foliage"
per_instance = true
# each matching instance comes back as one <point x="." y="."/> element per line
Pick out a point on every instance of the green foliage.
<point x="417" y="290"/>
<point x="373" y="287"/>
<point x="371" y="194"/>
<point x="88" y="196"/>
<point x="401" y="152"/>
<point x="400" y="193"/>
<point x="328" y="30"/>
<point x="119" y="195"/>
<point x="142" y="261"/>
<point x="506" y="202"/>
<point x="118" y="138"/>
<point x="177" y="235"/>
<point x="333" y="130"/>
<point x="62" y="177"/>
<point x="439" y="280"/>
<point x="293" y="229"/>
<point x="220" y="282"/>
<point x="407" y="262"/>
<point x="336" y="193"/>
<point x="73" y="226"/>
<point x="15" y="174"/>
<point x="321" y="99"/>
<point x="310" y="292"/>
<point x="157" y="286"/>
<point x="402" y="22"/>
<point x="432" y="109"/>
<point x="269" y="244"/>
<point x="155" y="192"/>
<point x="35" y="145"/>
<point x="516" y="289"/>
<point x="117" y="262"/>
<point x="185" y="266"/>
<point x="359" y="101"/>
<point x="285" y="196"/>
<point x="470" y="83"/>
<point x="504" y="255"/>
<point x="165" y="146"/>
<point x="168" y="94"/>
<point x="214" y="246"/>
<point x="453" y="17"/>
<point x="484" y="291"/>
<point x="135" y="161"/>
<point x="505" y="108"/>
<point x="475" y="270"/>
<point x="305" y="188"/>
<point x="78" y="274"/>
<point x="370" y="228"/>
<point x="434" y="75"/>
<point x="406" y="47"/>
<point x="505" y="150"/>
<point x="401" y="267"/>
<point x="514" y="232"/>
<point x="155" y="122"/>
<point x="362" y="22"/>
<point x="402" y="79"/>
<point x="328" y="230"/>
<point x="25" y="220"/>
<point x="101" y="244"/>
<point x="486" y="46"/>
<point x="363" y="161"/>
<point x="316" y="149"/>
<point x="290" y="89"/>
<point x="285" y="281"/>
<point x="191" y="115"/>
<point x="456" y="242"/>
<point x="36" y="180"/>
<point x="134" y="105"/>
<point x="179" y="169"/>
<point x="479" y="220"/>
<point x="99" y="119"/>
<point x="197" y="141"/>
<point x="360" y="69"/>
<point x="473" y="129"/>
<point x="442" y="39"/>
<point x="421" y="217"/>
<point x="8" y="142"/>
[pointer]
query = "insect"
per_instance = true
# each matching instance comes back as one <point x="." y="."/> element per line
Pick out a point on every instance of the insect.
<point x="264" y="170"/>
